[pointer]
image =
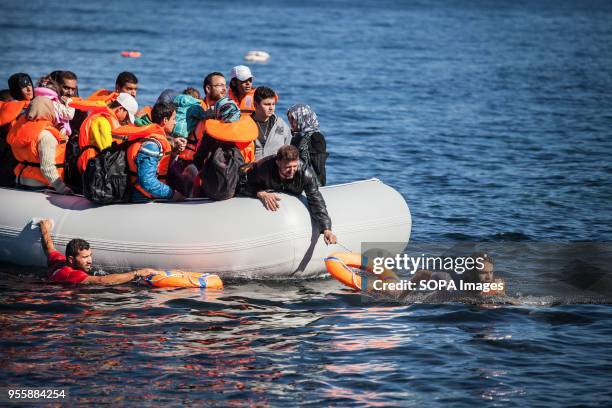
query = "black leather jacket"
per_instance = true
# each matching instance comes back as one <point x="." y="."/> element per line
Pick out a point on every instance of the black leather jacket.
<point x="263" y="175"/>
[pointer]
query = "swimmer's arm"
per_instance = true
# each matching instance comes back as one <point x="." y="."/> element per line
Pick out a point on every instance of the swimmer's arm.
<point x="512" y="301"/>
<point x="47" y="242"/>
<point x="117" y="278"/>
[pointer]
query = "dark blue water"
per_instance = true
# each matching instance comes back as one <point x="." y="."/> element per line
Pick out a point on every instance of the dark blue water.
<point x="493" y="119"/>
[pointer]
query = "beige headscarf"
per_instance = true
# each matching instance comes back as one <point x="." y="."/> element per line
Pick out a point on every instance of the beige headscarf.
<point x="41" y="107"/>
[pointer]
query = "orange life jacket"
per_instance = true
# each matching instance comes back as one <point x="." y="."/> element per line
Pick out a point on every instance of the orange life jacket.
<point x="9" y="111"/>
<point x="140" y="135"/>
<point x="87" y="105"/>
<point x="88" y="149"/>
<point x="103" y="95"/>
<point x="242" y="132"/>
<point x="204" y="103"/>
<point x="193" y="141"/>
<point x="146" y="111"/>
<point x="23" y="138"/>
<point x="247" y="103"/>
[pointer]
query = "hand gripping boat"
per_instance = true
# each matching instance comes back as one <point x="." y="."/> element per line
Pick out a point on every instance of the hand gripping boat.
<point x="233" y="238"/>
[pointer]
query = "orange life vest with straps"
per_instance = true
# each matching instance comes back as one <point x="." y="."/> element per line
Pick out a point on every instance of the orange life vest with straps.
<point x="23" y="138"/>
<point x="242" y="132"/>
<point x="206" y="103"/>
<point x="88" y="148"/>
<point x="9" y="111"/>
<point x="247" y="103"/>
<point x="193" y="141"/>
<point x="140" y="135"/>
<point x="103" y="95"/>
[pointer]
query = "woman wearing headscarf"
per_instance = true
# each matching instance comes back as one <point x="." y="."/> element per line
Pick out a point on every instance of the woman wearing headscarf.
<point x="39" y="148"/>
<point x="308" y="138"/>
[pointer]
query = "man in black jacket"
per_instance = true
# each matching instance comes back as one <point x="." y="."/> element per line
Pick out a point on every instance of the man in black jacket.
<point x="286" y="173"/>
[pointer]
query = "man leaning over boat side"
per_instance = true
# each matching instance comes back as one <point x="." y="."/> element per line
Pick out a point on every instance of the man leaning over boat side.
<point x="285" y="172"/>
<point x="75" y="265"/>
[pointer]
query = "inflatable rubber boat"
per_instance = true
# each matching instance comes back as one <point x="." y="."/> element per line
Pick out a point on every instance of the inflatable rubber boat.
<point x="237" y="238"/>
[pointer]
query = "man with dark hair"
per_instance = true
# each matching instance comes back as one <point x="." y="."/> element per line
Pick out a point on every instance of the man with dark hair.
<point x="285" y="172"/>
<point x="214" y="88"/>
<point x="75" y="265"/>
<point x="67" y="81"/>
<point x="126" y="82"/>
<point x="273" y="131"/>
<point x="149" y="158"/>
<point x="69" y="88"/>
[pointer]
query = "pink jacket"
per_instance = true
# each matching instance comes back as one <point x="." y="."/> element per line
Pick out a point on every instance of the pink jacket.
<point x="62" y="114"/>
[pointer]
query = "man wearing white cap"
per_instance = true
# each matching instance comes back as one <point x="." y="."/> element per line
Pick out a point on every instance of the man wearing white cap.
<point x="241" y="88"/>
<point x="96" y="130"/>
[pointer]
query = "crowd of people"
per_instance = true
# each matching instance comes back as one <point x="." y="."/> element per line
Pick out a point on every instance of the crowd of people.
<point x="225" y="142"/>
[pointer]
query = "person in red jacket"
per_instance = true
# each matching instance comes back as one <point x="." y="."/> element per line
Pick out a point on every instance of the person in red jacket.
<point x="75" y="265"/>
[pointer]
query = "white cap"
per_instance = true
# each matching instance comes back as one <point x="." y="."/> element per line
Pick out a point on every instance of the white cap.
<point x="242" y="72"/>
<point x="129" y="103"/>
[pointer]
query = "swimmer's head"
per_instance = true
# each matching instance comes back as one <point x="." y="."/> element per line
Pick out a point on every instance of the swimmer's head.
<point x="483" y="269"/>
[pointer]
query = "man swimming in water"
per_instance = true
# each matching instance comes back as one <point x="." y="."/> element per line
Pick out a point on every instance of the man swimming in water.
<point x="75" y="265"/>
<point x="475" y="282"/>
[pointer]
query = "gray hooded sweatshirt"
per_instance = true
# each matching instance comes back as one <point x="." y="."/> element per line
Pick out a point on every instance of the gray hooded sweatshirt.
<point x="277" y="135"/>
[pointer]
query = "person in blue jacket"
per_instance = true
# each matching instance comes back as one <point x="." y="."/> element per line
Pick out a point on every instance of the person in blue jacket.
<point x="153" y="156"/>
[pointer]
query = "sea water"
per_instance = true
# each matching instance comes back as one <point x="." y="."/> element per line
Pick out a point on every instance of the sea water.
<point x="492" y="119"/>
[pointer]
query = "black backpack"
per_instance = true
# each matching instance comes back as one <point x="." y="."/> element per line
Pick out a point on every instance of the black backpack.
<point x="106" y="179"/>
<point x="72" y="176"/>
<point x="220" y="171"/>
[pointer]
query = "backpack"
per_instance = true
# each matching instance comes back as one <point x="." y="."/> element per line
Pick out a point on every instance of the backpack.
<point x="72" y="176"/>
<point x="220" y="171"/>
<point x="106" y="179"/>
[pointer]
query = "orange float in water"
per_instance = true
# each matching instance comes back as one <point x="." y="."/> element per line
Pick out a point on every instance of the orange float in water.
<point x="176" y="279"/>
<point x="131" y="54"/>
<point x="346" y="266"/>
<point x="339" y="266"/>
